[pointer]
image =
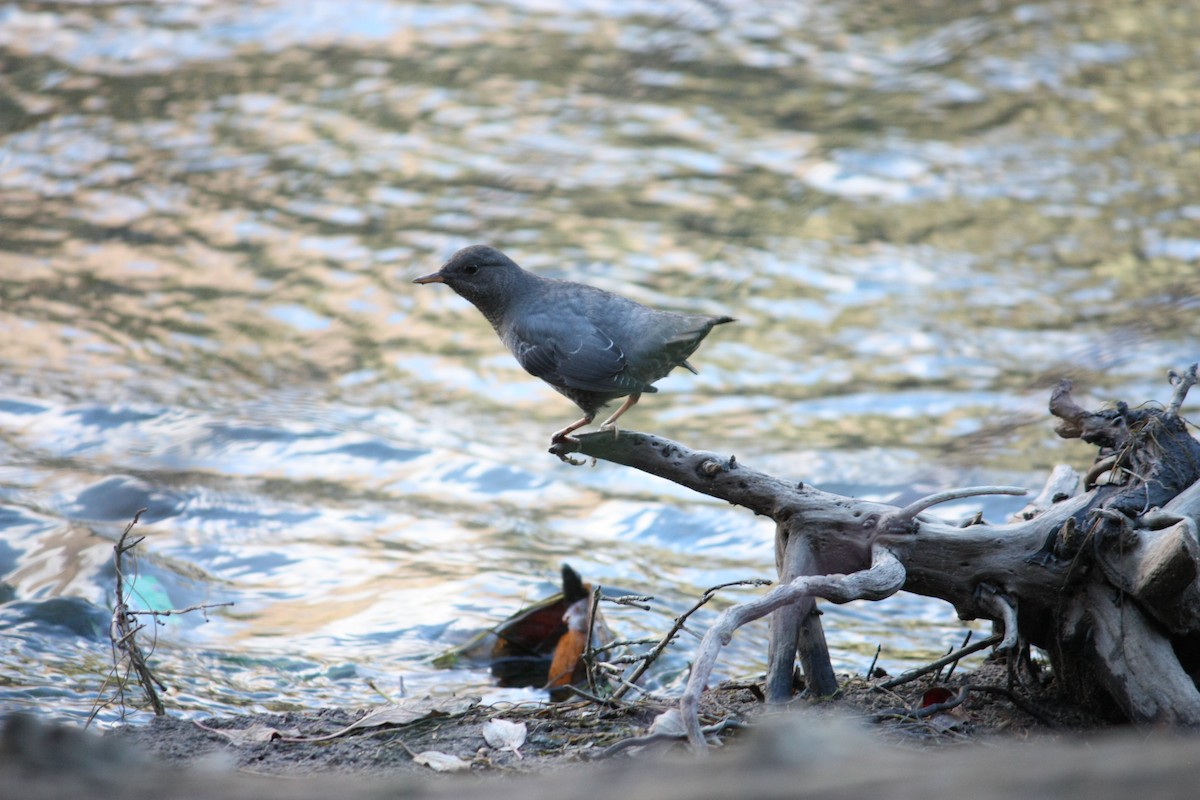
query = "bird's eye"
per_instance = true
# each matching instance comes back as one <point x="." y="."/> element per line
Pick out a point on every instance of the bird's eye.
<point x="471" y="269"/>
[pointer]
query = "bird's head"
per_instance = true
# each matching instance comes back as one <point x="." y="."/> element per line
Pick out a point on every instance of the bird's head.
<point x="480" y="274"/>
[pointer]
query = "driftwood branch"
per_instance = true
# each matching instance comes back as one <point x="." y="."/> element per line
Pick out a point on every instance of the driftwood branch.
<point x="910" y="511"/>
<point x="883" y="579"/>
<point x="1107" y="581"/>
<point x="631" y="680"/>
<point x="708" y="473"/>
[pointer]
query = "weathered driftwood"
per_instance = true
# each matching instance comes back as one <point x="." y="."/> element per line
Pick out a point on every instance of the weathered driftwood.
<point x="1104" y="581"/>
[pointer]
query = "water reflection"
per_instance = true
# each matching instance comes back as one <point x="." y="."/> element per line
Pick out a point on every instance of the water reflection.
<point x="921" y="216"/>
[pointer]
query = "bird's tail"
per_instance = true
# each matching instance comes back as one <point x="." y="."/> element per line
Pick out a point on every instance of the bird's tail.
<point x="691" y="338"/>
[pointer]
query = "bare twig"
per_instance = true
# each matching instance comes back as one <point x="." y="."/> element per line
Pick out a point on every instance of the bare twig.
<point x="954" y="665"/>
<point x="911" y="510"/>
<point x="589" y="653"/>
<point x="635" y="600"/>
<point x="678" y="626"/>
<point x="874" y="661"/>
<point x="957" y="655"/>
<point x="666" y="736"/>
<point x="925" y="711"/>
<point x="613" y="645"/>
<point x="174" y="612"/>
<point x="128" y="658"/>
<point x="1017" y="701"/>
<point x="592" y="698"/>
<point x="122" y="635"/>
<point x="963" y="694"/>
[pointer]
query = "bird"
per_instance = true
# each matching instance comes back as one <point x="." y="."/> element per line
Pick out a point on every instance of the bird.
<point x="590" y="345"/>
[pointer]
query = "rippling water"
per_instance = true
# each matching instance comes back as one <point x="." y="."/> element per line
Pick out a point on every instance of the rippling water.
<point x="921" y="214"/>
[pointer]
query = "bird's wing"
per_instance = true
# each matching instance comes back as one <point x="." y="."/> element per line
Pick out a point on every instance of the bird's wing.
<point x="573" y="353"/>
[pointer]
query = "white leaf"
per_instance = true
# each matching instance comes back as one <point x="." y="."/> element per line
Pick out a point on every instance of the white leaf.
<point x="504" y="735"/>
<point x="670" y="723"/>
<point x="401" y="713"/>
<point x="255" y="734"/>
<point x="441" y="762"/>
<point x="411" y="709"/>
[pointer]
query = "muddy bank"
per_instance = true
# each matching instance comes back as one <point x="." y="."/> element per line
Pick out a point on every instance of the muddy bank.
<point x="450" y="735"/>
<point x="860" y="745"/>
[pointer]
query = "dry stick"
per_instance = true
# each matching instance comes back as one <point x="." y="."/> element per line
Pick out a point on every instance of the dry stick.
<point x="136" y="658"/>
<point x="1017" y="701"/>
<point x="589" y="654"/>
<point x="632" y="658"/>
<point x="171" y="612"/>
<point x="653" y="738"/>
<point x="954" y="666"/>
<point x="941" y="662"/>
<point x="958" y="699"/>
<point x="925" y="711"/>
<point x="613" y="645"/>
<point x="937" y="676"/>
<point x="653" y="655"/>
<point x="625" y="684"/>
<point x="591" y="698"/>
<point x="635" y="600"/>
<point x="123" y="632"/>
<point x="875" y="660"/>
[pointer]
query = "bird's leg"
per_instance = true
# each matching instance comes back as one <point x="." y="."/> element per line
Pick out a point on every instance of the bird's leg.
<point x="610" y="424"/>
<point x="562" y="436"/>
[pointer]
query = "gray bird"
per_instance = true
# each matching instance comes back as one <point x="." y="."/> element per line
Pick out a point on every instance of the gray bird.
<point x="590" y="345"/>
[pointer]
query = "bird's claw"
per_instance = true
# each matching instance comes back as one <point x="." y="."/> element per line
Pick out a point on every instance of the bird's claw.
<point x="561" y="445"/>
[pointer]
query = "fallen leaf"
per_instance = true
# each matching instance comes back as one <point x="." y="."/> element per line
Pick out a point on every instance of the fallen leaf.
<point x="669" y="723"/>
<point x="945" y="721"/>
<point x="401" y="713"/>
<point x="504" y="735"/>
<point x="441" y="762"/>
<point x="255" y="734"/>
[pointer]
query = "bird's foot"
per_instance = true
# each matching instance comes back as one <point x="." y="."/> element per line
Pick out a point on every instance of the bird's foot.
<point x="564" y="436"/>
<point x="561" y="445"/>
<point x="567" y="458"/>
<point x="611" y="426"/>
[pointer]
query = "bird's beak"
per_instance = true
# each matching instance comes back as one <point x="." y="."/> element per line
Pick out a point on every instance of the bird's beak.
<point x="433" y="277"/>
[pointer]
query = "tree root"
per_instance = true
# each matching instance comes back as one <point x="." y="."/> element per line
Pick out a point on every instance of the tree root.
<point x="884" y="578"/>
<point x="1107" y="582"/>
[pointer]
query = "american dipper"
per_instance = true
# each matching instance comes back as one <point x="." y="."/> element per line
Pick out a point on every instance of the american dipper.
<point x="590" y="345"/>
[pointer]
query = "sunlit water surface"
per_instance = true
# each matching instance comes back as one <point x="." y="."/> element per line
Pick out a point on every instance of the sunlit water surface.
<point x="922" y="215"/>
